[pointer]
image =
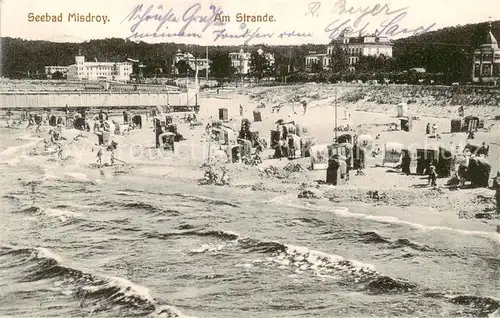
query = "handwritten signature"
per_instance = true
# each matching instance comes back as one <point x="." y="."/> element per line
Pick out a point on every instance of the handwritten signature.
<point x="357" y="26"/>
<point x="141" y="15"/>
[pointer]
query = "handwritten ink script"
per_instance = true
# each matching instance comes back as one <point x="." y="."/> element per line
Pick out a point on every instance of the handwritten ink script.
<point x="353" y="20"/>
<point x="166" y="19"/>
<point x="149" y="21"/>
<point x="249" y="35"/>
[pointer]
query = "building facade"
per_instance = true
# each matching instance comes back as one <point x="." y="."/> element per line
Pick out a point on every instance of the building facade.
<point x="241" y="61"/>
<point x="49" y="70"/>
<point x="486" y="64"/>
<point x="354" y="47"/>
<point x="95" y="71"/>
<point x="202" y="63"/>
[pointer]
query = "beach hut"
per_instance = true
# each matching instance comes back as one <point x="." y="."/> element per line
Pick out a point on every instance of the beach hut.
<point x="402" y="110"/>
<point x="319" y="157"/>
<point x="38" y="119"/>
<point x="294" y="146"/>
<point x="60" y="121"/>
<point x="275" y="138"/>
<point x="117" y="130"/>
<point x="79" y="123"/>
<point x="336" y="171"/>
<point x="254" y="138"/>
<point x="424" y="158"/>
<point x="494" y="158"/>
<point x="235" y="153"/>
<point x="223" y="114"/>
<point x="257" y="116"/>
<point x="342" y="150"/>
<point x="167" y="141"/>
<point x="108" y="133"/>
<point x="171" y="127"/>
<point x="345" y="138"/>
<point x="406" y="123"/>
<point x="53" y="121"/>
<point x="392" y="152"/>
<point x="471" y="123"/>
<point x="306" y="143"/>
<point x="246" y="149"/>
<point x="444" y="164"/>
<point x="364" y="142"/>
<point x="137" y="121"/>
<point x="456" y="125"/>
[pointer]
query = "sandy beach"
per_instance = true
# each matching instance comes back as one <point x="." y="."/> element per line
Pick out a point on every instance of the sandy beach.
<point x="137" y="153"/>
<point x="144" y="237"/>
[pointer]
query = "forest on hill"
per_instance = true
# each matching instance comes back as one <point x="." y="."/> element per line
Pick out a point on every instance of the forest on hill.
<point x="447" y="51"/>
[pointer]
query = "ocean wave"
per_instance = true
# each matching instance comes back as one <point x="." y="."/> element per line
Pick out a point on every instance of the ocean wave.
<point x="93" y="291"/>
<point x="143" y="206"/>
<point x="344" y="212"/>
<point x="476" y="306"/>
<point x="62" y="215"/>
<point x="225" y="235"/>
<point x="200" y="198"/>
<point x="13" y="150"/>
<point x="385" y="284"/>
<point x="375" y="238"/>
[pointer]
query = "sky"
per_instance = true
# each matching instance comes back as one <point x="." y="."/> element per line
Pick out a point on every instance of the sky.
<point x="293" y="22"/>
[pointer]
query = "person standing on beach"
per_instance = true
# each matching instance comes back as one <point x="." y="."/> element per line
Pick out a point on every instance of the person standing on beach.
<point x="99" y="156"/>
<point x="8" y="118"/>
<point x="31" y="121"/>
<point x="59" y="151"/>
<point x="496" y="187"/>
<point x="432" y="175"/>
<point x="241" y="110"/>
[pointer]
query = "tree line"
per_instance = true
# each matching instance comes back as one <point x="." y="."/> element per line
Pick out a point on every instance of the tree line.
<point x="447" y="52"/>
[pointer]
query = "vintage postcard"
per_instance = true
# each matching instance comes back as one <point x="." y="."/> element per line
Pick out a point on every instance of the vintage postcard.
<point x="228" y="159"/>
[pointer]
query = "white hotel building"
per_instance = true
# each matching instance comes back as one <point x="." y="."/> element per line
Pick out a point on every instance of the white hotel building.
<point x="354" y="48"/>
<point x="241" y="60"/>
<point x="95" y="71"/>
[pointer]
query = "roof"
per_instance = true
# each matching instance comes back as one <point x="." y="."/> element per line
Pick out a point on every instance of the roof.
<point x="490" y="39"/>
<point x="367" y="40"/>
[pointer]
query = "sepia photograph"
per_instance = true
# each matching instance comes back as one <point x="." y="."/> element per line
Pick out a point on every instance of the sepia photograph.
<point x="263" y="159"/>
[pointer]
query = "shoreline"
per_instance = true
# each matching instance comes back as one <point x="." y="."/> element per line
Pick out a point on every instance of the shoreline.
<point x="398" y="191"/>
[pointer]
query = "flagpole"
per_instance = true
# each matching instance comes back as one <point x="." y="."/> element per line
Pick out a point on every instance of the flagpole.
<point x="196" y="85"/>
<point x="208" y="66"/>
<point x="335" y="115"/>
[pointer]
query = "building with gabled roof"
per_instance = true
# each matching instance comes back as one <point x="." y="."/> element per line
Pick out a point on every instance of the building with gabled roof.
<point x="486" y="63"/>
<point x="354" y="47"/>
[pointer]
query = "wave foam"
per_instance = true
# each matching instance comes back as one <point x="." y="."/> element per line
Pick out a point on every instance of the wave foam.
<point x="345" y="212"/>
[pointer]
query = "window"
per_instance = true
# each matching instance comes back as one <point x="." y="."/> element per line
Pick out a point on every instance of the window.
<point x="496" y="70"/>
<point x="486" y="70"/>
<point x="477" y="70"/>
